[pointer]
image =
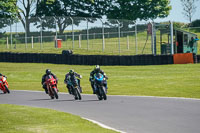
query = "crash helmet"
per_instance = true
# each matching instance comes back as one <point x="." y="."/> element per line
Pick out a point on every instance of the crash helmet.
<point x="0" y="74"/>
<point x="48" y="71"/>
<point x="71" y="72"/>
<point x="97" y="68"/>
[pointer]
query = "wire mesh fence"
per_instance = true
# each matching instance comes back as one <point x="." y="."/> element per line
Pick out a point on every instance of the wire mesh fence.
<point x="84" y="35"/>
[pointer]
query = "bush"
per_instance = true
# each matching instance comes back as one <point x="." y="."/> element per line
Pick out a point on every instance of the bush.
<point x="195" y="23"/>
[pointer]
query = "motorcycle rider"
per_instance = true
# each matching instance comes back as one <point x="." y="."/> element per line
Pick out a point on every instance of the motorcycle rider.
<point x="93" y="73"/>
<point x="3" y="75"/>
<point x="48" y="72"/>
<point x="71" y="73"/>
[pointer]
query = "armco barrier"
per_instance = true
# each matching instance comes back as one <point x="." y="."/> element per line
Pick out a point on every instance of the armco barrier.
<point x="86" y="59"/>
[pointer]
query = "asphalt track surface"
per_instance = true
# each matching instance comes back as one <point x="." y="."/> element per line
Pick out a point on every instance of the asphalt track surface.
<point x="130" y="114"/>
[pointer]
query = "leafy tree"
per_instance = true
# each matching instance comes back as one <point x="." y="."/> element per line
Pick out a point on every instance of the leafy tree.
<point x="189" y="8"/>
<point x="139" y="9"/>
<point x="26" y="10"/>
<point x="195" y="23"/>
<point x="61" y="10"/>
<point x="7" y="12"/>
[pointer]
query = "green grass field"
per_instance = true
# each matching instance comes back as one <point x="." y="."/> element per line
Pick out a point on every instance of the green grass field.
<point x="157" y="80"/>
<point x="160" y="80"/>
<point x="22" y="119"/>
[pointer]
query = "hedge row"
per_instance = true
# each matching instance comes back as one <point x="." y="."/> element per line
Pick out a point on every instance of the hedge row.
<point x="86" y="59"/>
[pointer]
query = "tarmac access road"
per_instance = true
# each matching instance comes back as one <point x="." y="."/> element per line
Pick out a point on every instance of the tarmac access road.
<point x="130" y="114"/>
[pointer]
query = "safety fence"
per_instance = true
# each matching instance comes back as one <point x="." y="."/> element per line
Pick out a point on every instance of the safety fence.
<point x="111" y="37"/>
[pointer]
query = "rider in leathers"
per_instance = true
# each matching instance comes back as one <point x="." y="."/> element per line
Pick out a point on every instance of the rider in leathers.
<point x="3" y="75"/>
<point x="71" y="73"/>
<point x="44" y="86"/>
<point x="92" y="74"/>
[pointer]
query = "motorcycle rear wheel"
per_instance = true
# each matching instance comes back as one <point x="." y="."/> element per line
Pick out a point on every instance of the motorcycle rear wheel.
<point x="99" y="97"/>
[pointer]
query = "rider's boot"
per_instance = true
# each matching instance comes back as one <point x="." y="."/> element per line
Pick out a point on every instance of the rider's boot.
<point x="80" y="89"/>
<point x="94" y="92"/>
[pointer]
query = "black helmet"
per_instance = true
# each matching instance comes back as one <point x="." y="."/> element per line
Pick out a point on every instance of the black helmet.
<point x="97" y="68"/>
<point x="71" y="72"/>
<point x="48" y="71"/>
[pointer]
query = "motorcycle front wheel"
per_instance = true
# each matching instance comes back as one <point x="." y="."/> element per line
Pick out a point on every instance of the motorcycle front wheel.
<point x="78" y="93"/>
<point x="55" y="93"/>
<point x="7" y="90"/>
<point x="104" y="93"/>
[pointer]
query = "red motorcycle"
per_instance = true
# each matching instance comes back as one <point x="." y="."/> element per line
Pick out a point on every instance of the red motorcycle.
<point x="4" y="84"/>
<point x="52" y="86"/>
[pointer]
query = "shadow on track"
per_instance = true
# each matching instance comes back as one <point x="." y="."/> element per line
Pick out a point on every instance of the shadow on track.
<point x="87" y="100"/>
<point x="57" y="100"/>
<point x="72" y="100"/>
<point x="3" y="93"/>
<point x="41" y="99"/>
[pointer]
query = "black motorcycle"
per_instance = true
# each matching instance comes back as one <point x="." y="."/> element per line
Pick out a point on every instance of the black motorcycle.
<point x="74" y="87"/>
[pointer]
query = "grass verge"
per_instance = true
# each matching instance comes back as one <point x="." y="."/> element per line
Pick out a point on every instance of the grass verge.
<point x="157" y="80"/>
<point x="22" y="119"/>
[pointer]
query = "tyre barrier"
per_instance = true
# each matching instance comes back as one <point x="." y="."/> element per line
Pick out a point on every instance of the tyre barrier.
<point x="71" y="59"/>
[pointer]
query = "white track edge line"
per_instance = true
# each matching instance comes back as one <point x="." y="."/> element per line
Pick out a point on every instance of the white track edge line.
<point x="102" y="125"/>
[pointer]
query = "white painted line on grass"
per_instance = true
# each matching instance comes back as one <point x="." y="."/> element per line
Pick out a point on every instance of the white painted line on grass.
<point x="102" y="125"/>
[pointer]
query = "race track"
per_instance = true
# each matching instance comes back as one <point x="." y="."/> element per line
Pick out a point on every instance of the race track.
<point x="131" y="114"/>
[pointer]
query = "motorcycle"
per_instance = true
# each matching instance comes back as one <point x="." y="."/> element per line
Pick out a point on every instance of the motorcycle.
<point x="52" y="87"/>
<point x="74" y="87"/>
<point x="4" y="85"/>
<point x="100" y="89"/>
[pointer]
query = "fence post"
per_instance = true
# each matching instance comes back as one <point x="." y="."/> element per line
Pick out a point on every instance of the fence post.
<point x="16" y="35"/>
<point x="32" y="42"/>
<point x="11" y="34"/>
<point x="66" y="40"/>
<point x="103" y="37"/>
<point x="55" y="41"/>
<point x="172" y="39"/>
<point x="25" y="34"/>
<point x="119" y="36"/>
<point x="153" y="41"/>
<point x="80" y="41"/>
<point x="56" y="37"/>
<point x="72" y="32"/>
<point x="128" y="42"/>
<point x="136" y="45"/>
<point x="40" y="35"/>
<point x="87" y="35"/>
<point x="7" y="46"/>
